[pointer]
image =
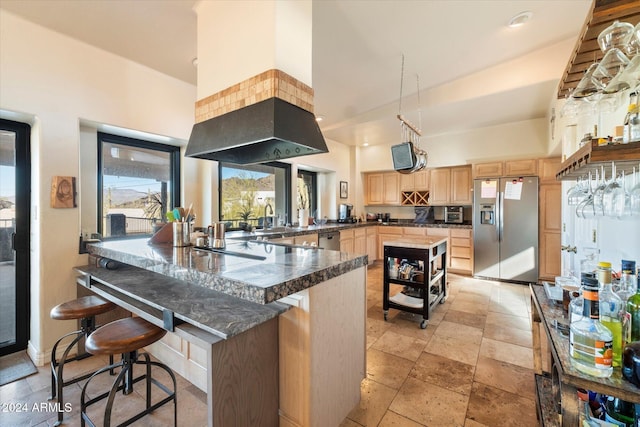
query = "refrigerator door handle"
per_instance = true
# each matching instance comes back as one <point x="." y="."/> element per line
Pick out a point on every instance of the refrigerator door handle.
<point x="500" y="216"/>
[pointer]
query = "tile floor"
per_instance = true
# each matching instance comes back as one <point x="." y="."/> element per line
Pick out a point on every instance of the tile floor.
<point x="471" y="366"/>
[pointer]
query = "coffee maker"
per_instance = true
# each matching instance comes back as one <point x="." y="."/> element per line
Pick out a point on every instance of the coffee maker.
<point x="344" y="213"/>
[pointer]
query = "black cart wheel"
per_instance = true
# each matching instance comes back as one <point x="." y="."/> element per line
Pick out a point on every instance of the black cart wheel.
<point x="423" y="324"/>
<point x="443" y="300"/>
<point x="386" y="313"/>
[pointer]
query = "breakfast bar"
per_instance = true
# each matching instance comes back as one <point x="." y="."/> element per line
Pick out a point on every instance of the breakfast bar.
<point x="268" y="318"/>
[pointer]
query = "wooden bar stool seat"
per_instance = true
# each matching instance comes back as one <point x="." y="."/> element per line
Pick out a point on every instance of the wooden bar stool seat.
<point x="86" y="309"/>
<point x="127" y="336"/>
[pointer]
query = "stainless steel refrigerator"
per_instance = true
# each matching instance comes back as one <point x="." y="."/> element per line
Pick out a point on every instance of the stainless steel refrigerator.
<point x="505" y="229"/>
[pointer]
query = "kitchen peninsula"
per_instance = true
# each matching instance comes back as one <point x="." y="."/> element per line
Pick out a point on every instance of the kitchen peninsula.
<point x="269" y="317"/>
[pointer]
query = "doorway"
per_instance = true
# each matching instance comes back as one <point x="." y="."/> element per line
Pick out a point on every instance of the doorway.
<point x="15" y="190"/>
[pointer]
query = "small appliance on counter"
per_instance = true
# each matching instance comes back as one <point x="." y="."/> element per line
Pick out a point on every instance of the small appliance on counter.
<point x="424" y="215"/>
<point x="345" y="214"/>
<point x="453" y="214"/>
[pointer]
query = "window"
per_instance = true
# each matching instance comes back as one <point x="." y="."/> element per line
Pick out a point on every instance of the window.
<point x="253" y="194"/>
<point x="138" y="181"/>
<point x="307" y="191"/>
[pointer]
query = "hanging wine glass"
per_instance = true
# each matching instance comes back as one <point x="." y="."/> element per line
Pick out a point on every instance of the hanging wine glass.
<point x="634" y="194"/>
<point x="598" y="206"/>
<point x="585" y="208"/>
<point x="577" y="193"/>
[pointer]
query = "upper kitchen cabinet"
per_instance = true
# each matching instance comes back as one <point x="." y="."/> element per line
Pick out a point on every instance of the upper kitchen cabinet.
<point x="418" y="181"/>
<point x="547" y="169"/>
<point x="528" y="167"/>
<point x="383" y="188"/>
<point x="450" y="186"/>
<point x="521" y="167"/>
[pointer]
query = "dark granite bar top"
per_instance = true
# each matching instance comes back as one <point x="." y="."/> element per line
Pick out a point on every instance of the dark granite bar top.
<point x="258" y="272"/>
<point x="211" y="311"/>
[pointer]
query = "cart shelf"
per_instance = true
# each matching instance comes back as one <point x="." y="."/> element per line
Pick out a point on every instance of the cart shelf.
<point x="431" y="254"/>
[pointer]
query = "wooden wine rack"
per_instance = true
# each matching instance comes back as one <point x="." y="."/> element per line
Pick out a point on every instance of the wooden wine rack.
<point x="414" y="198"/>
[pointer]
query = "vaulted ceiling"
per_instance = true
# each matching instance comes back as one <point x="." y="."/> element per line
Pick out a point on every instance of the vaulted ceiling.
<point x="473" y="70"/>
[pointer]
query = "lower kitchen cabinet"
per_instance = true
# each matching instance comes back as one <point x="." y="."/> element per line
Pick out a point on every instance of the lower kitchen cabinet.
<point x="461" y="250"/>
<point x="372" y="243"/>
<point x="387" y="234"/>
<point x="359" y="241"/>
<point x="346" y="241"/>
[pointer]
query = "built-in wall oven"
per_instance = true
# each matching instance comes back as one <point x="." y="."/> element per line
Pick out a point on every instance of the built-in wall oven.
<point x="453" y="214"/>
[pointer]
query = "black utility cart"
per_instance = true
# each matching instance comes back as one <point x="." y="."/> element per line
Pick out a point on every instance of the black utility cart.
<point x="421" y="268"/>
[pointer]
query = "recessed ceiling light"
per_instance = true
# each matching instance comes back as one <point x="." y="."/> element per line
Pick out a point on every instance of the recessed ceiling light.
<point x="366" y="144"/>
<point x="520" y="19"/>
<point x="319" y="118"/>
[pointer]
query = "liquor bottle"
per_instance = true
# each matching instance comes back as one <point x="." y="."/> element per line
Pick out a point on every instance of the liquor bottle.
<point x="626" y="289"/>
<point x="633" y="308"/>
<point x="610" y="310"/>
<point x="590" y="343"/>
<point x="628" y="118"/>
<point x="619" y="412"/>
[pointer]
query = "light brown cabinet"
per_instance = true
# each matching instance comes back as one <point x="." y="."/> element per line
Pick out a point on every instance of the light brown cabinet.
<point x="547" y="169"/>
<point x="487" y="170"/>
<point x="461" y="186"/>
<point x="383" y="188"/>
<point x="359" y="241"/>
<point x="451" y="186"/>
<point x="440" y="189"/>
<point x="418" y="181"/>
<point x="527" y="167"/>
<point x="372" y="243"/>
<point x="549" y="231"/>
<point x="461" y="250"/>
<point x="346" y="241"/>
<point x="521" y="167"/>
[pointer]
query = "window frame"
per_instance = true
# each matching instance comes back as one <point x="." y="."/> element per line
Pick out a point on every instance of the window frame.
<point x="174" y="173"/>
<point x="281" y="165"/>
<point x="313" y="200"/>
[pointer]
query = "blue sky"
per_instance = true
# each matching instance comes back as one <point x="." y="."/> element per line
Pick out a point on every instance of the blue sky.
<point x="7" y="181"/>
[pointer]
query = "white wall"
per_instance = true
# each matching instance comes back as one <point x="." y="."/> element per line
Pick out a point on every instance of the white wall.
<point x="616" y="239"/>
<point x="59" y="82"/>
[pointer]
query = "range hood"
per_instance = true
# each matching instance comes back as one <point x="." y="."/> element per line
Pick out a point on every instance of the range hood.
<point x="268" y="130"/>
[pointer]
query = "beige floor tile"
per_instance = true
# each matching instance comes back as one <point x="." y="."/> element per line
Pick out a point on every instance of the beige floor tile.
<point x="505" y="352"/>
<point x="400" y="345"/>
<point x="453" y="348"/>
<point x="472" y="297"/>
<point x="387" y="369"/>
<point x="463" y="332"/>
<point x="429" y="404"/>
<point x="469" y="307"/>
<point x="507" y="334"/>
<point x="374" y="401"/>
<point x="464" y="318"/>
<point x="391" y="419"/>
<point x="502" y="319"/>
<point x="505" y="376"/>
<point x="511" y="308"/>
<point x="27" y="411"/>
<point x="444" y="372"/>
<point x="471" y="423"/>
<point x="408" y="324"/>
<point x="349" y="423"/>
<point x="497" y="408"/>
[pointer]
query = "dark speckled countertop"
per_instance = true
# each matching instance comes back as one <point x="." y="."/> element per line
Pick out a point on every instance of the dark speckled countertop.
<point x="296" y="231"/>
<point x="266" y="272"/>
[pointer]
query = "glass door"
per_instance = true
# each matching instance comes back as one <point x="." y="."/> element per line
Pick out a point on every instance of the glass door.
<point x="14" y="236"/>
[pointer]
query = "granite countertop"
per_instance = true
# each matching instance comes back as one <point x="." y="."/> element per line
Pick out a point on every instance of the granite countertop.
<point x="297" y="231"/>
<point x="259" y="272"/>
<point x="209" y="310"/>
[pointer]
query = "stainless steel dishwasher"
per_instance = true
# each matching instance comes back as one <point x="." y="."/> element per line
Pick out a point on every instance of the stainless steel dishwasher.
<point x="329" y="240"/>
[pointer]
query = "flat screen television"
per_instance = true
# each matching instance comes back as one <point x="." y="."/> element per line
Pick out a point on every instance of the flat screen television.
<point x="403" y="156"/>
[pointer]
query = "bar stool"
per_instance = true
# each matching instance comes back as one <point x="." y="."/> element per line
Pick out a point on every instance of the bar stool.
<point x="86" y="309"/>
<point x="126" y="336"/>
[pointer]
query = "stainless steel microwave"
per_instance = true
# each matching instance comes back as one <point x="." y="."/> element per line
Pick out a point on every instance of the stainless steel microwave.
<point x="453" y="214"/>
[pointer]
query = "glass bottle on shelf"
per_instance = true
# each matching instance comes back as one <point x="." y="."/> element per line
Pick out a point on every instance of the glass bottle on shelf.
<point x="633" y="310"/>
<point x="610" y="310"/>
<point x="619" y="412"/>
<point x="590" y="343"/>
<point x="631" y="110"/>
<point x="626" y="288"/>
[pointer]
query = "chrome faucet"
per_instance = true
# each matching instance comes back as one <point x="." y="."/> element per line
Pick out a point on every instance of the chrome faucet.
<point x="266" y="218"/>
